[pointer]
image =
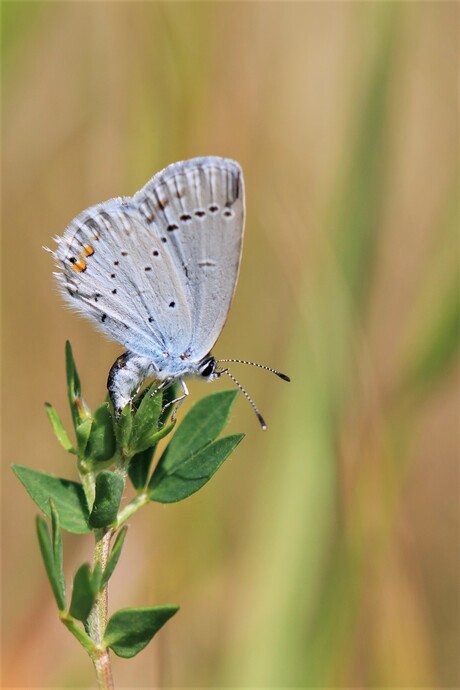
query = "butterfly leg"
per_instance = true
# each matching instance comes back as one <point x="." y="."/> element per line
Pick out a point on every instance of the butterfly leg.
<point x="126" y="376"/>
<point x="178" y="400"/>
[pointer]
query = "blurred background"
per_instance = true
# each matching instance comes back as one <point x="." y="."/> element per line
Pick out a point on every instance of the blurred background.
<point x="325" y="552"/>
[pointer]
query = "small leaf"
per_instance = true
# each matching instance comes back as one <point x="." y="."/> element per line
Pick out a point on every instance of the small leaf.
<point x="82" y="432"/>
<point x="101" y="443"/>
<point x="199" y="427"/>
<point x="139" y="467"/>
<point x="114" y="556"/>
<point x="123" y="428"/>
<point x="48" y="559"/>
<point x="109" y="490"/>
<point x="58" y="429"/>
<point x="193" y="472"/>
<point x="145" y="423"/>
<point x="73" y="380"/>
<point x="68" y="497"/>
<point x="78" y="407"/>
<point x="57" y="548"/>
<point x="83" y="593"/>
<point x="141" y="462"/>
<point x="130" y="630"/>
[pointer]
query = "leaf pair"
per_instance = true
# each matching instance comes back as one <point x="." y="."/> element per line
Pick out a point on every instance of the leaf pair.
<point x="193" y="455"/>
<point x="141" y="428"/>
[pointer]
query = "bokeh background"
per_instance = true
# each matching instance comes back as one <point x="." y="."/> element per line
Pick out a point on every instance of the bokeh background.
<point x="325" y="552"/>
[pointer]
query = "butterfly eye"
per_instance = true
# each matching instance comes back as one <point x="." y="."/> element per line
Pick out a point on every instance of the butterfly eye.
<point x="208" y="367"/>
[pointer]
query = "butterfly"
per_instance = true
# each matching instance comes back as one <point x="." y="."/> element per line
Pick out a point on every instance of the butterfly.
<point x="157" y="273"/>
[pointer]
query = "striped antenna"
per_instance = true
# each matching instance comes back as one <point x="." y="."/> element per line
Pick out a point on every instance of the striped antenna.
<point x="254" y="364"/>
<point x="246" y="395"/>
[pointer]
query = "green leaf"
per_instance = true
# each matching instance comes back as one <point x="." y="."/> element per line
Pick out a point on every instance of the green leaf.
<point x="145" y="423"/>
<point x="130" y="630"/>
<point x="83" y="593"/>
<point x="199" y="427"/>
<point x="57" y="548"/>
<point x="102" y="442"/>
<point x="68" y="497"/>
<point x="78" y="407"/>
<point x="123" y="428"/>
<point x="114" y="556"/>
<point x="73" y="380"/>
<point x="48" y="559"/>
<point x="139" y="467"/>
<point x="109" y="490"/>
<point x="140" y="464"/>
<point x="82" y="432"/>
<point x="58" y="429"/>
<point x="193" y="472"/>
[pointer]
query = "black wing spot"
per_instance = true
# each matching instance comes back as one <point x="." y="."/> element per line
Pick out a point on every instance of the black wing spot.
<point x="115" y="263"/>
<point x="200" y="214"/>
<point x="172" y="304"/>
<point x="172" y="227"/>
<point x="73" y="260"/>
<point x="103" y="317"/>
<point x="228" y="214"/>
<point x="148" y="268"/>
<point x="155" y="252"/>
<point x="164" y="240"/>
<point x="112" y="275"/>
<point x="150" y="319"/>
<point x="96" y="296"/>
<point x="114" y="292"/>
<point x="124" y="253"/>
<point x="213" y="209"/>
<point x="185" y="217"/>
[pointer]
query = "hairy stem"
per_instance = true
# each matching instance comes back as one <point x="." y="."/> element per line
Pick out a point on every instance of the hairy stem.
<point x="97" y="620"/>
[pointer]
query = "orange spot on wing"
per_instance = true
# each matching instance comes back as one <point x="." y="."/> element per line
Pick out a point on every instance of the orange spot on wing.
<point x="88" y="250"/>
<point x="79" y="266"/>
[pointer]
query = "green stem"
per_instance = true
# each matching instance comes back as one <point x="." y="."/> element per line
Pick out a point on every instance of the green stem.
<point x="132" y="507"/>
<point x="97" y="619"/>
<point x="74" y="627"/>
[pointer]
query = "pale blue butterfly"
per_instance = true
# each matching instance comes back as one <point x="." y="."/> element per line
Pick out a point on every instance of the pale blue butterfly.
<point x="157" y="272"/>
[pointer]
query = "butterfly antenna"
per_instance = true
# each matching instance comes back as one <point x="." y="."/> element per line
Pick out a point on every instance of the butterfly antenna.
<point x="261" y="366"/>
<point x="246" y="395"/>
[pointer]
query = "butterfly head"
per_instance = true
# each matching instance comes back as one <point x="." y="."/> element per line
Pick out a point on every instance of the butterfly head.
<point x="207" y="368"/>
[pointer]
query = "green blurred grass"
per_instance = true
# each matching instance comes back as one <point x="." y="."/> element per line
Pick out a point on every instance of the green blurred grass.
<point x="308" y="562"/>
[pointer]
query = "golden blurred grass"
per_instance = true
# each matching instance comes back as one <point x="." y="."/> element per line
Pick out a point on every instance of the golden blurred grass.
<point x="326" y="553"/>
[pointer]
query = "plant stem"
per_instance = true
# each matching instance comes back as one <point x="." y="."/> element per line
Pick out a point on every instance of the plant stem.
<point x="97" y="620"/>
<point x="132" y="507"/>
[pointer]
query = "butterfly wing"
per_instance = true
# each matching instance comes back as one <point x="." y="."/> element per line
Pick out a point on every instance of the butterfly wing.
<point x="116" y="272"/>
<point x="198" y="205"/>
<point x="157" y="271"/>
